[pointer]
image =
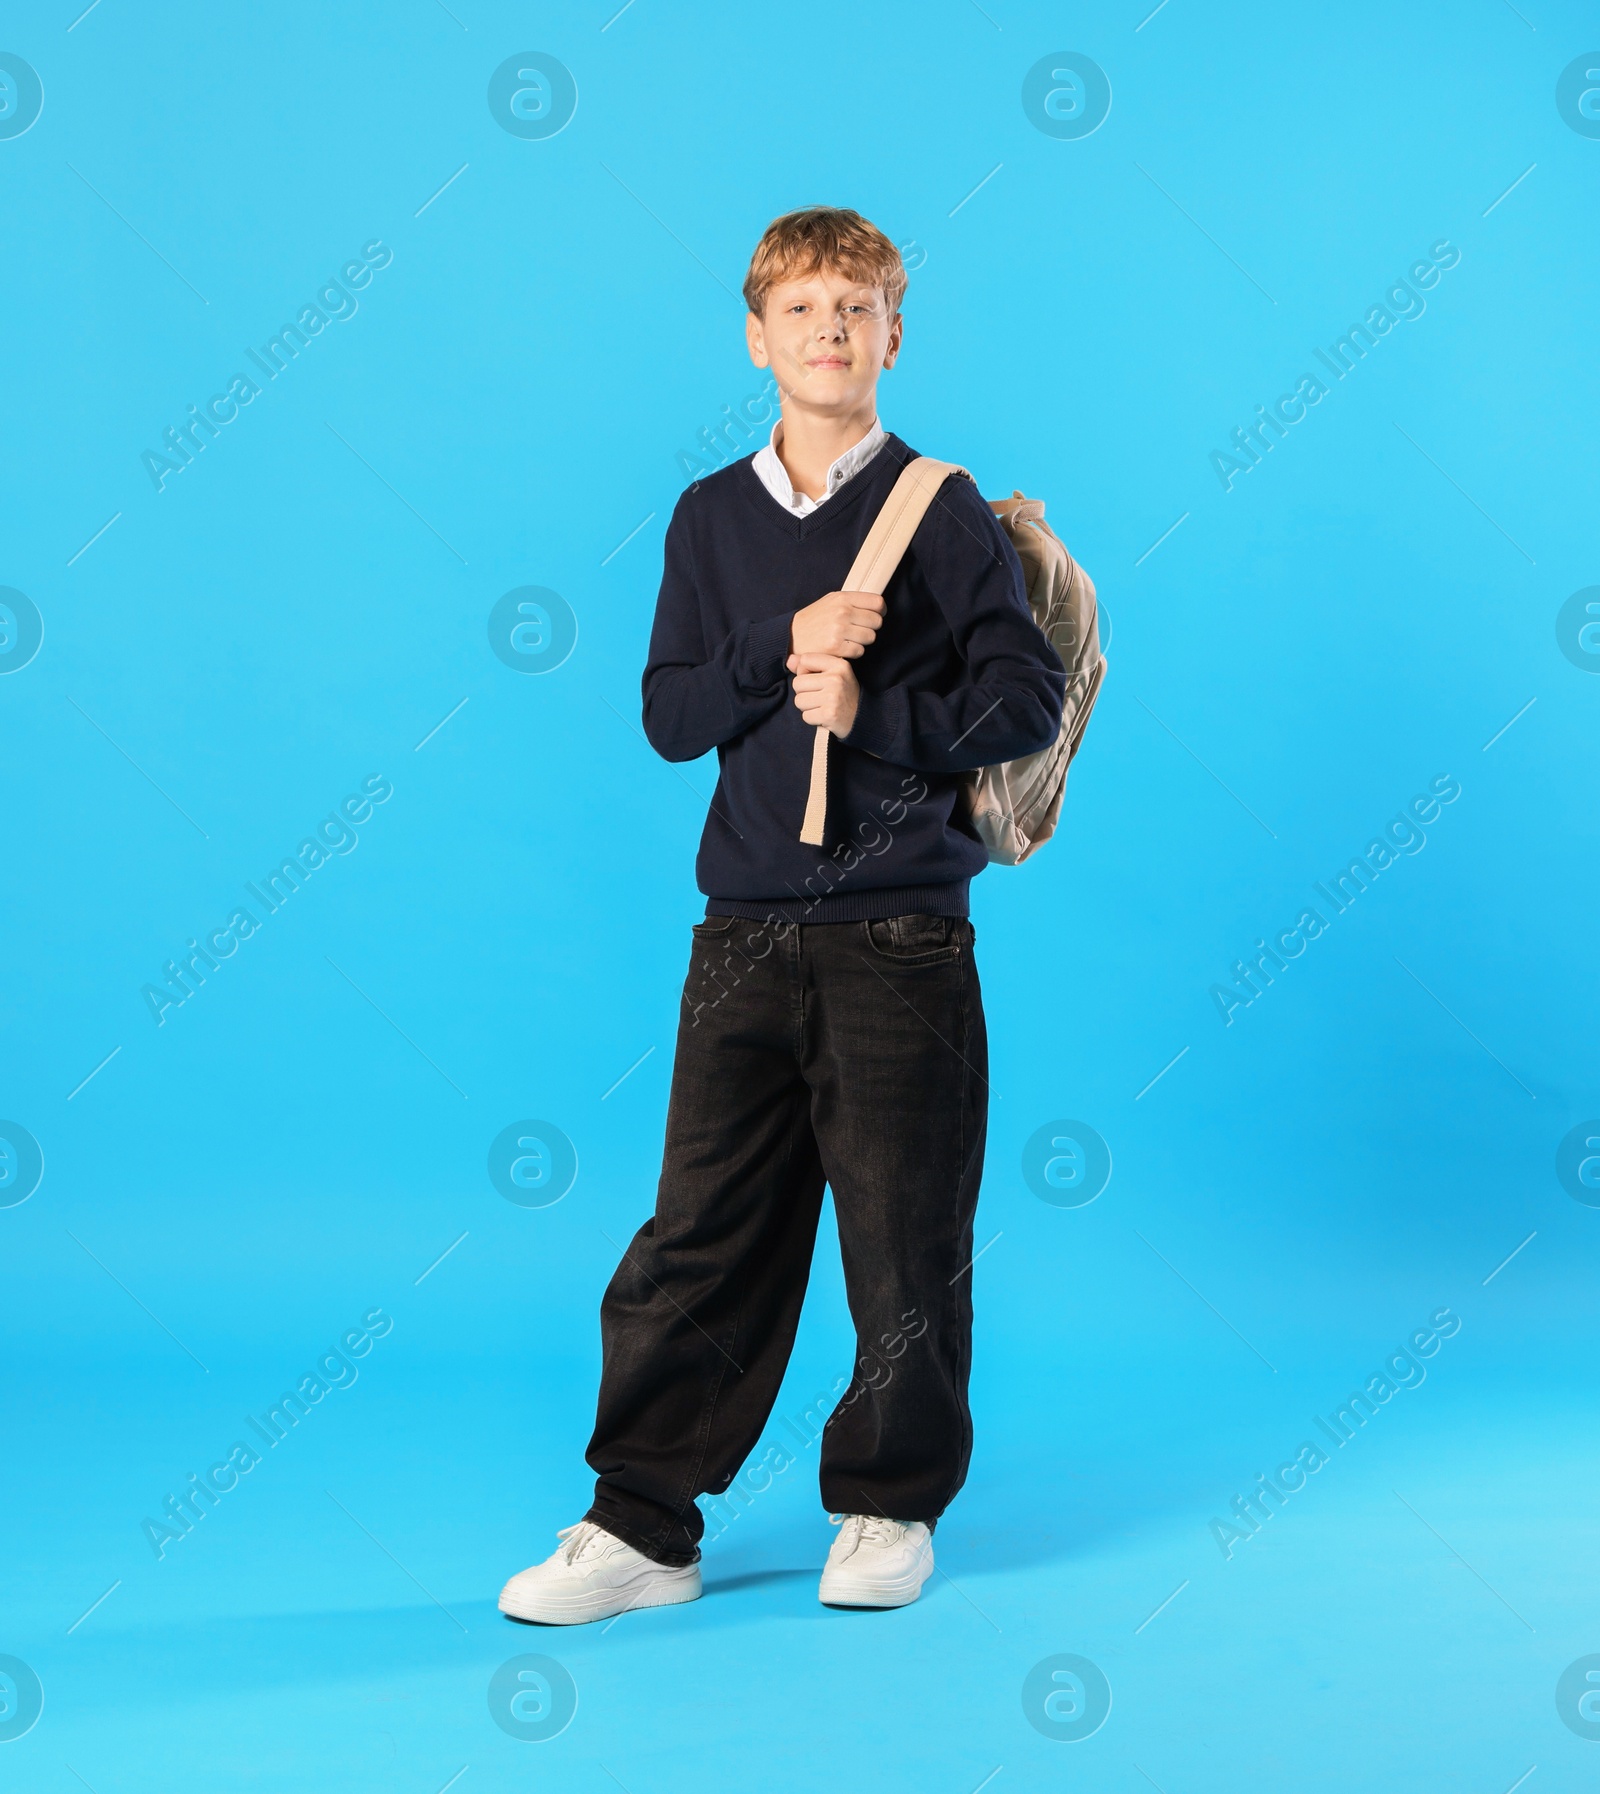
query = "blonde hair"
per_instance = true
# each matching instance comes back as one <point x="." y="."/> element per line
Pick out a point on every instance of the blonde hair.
<point x="817" y="237"/>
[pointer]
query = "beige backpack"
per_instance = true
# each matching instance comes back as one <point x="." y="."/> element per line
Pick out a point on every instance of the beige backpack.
<point x="1014" y="806"/>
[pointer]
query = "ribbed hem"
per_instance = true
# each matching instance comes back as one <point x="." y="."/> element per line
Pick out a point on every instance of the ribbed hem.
<point x="850" y="906"/>
<point x="766" y="646"/>
<point x="872" y="732"/>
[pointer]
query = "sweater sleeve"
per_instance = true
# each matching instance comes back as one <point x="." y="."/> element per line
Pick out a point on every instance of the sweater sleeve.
<point x="1009" y="703"/>
<point x="694" y="698"/>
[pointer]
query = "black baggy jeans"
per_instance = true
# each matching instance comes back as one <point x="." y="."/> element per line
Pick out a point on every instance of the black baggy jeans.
<point x="851" y="1054"/>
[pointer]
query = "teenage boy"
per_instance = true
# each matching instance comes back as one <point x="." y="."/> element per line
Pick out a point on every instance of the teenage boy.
<point x="832" y="1028"/>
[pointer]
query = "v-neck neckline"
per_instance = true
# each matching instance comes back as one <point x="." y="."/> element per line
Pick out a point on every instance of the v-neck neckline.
<point x="797" y="529"/>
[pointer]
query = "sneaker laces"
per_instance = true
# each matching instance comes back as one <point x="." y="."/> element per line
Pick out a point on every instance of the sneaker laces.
<point x="577" y="1541"/>
<point x="874" y="1529"/>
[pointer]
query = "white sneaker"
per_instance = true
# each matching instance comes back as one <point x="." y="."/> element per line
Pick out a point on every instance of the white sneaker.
<point x="591" y="1576"/>
<point x="876" y="1562"/>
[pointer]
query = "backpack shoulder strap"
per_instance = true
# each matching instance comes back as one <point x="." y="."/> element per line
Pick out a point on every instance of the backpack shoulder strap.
<point x="887" y="541"/>
<point x="894" y="526"/>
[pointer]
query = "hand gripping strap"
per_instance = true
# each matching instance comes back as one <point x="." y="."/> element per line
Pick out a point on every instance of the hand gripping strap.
<point x="873" y="568"/>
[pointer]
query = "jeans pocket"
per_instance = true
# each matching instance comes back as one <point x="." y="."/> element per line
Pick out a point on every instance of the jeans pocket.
<point x="714" y="927"/>
<point x="916" y="940"/>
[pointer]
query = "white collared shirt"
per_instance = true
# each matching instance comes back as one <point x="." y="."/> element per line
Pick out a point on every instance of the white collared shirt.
<point x="775" y="476"/>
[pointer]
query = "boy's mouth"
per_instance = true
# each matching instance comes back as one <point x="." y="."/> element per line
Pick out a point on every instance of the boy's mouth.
<point x="828" y="361"/>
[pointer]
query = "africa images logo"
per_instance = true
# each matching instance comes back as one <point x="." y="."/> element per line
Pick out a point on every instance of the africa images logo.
<point x="1251" y="443"/>
<point x="21" y="96"/>
<point x="336" y="834"/>
<point x="1402" y="834"/>
<point x="335" y="301"/>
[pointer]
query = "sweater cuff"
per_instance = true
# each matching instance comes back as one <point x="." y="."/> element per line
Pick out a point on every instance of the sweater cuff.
<point x="764" y="650"/>
<point x="873" y="730"/>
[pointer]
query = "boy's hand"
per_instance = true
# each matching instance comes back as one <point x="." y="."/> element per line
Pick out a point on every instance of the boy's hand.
<point x="843" y="624"/>
<point x="826" y="691"/>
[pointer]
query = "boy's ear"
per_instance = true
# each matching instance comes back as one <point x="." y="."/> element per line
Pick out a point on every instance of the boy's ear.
<point x="896" y="331"/>
<point x="756" y="338"/>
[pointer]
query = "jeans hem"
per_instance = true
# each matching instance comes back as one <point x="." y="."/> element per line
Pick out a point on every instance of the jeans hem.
<point x="644" y="1545"/>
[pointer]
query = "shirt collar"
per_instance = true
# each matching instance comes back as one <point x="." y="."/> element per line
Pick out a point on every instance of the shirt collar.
<point x="775" y="476"/>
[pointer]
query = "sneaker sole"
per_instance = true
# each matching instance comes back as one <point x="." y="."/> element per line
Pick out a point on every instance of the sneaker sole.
<point x="667" y="1590"/>
<point x="843" y="1591"/>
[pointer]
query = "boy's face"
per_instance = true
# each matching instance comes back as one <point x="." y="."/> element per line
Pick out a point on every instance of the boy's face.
<point x="827" y="338"/>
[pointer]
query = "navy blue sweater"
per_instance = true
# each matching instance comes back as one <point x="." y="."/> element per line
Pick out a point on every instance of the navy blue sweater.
<point x="960" y="676"/>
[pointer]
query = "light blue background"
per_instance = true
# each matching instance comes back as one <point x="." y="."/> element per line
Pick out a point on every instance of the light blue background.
<point x="1300" y="656"/>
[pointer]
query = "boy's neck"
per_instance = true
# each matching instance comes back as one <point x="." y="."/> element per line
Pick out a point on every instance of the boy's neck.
<point x="808" y="445"/>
